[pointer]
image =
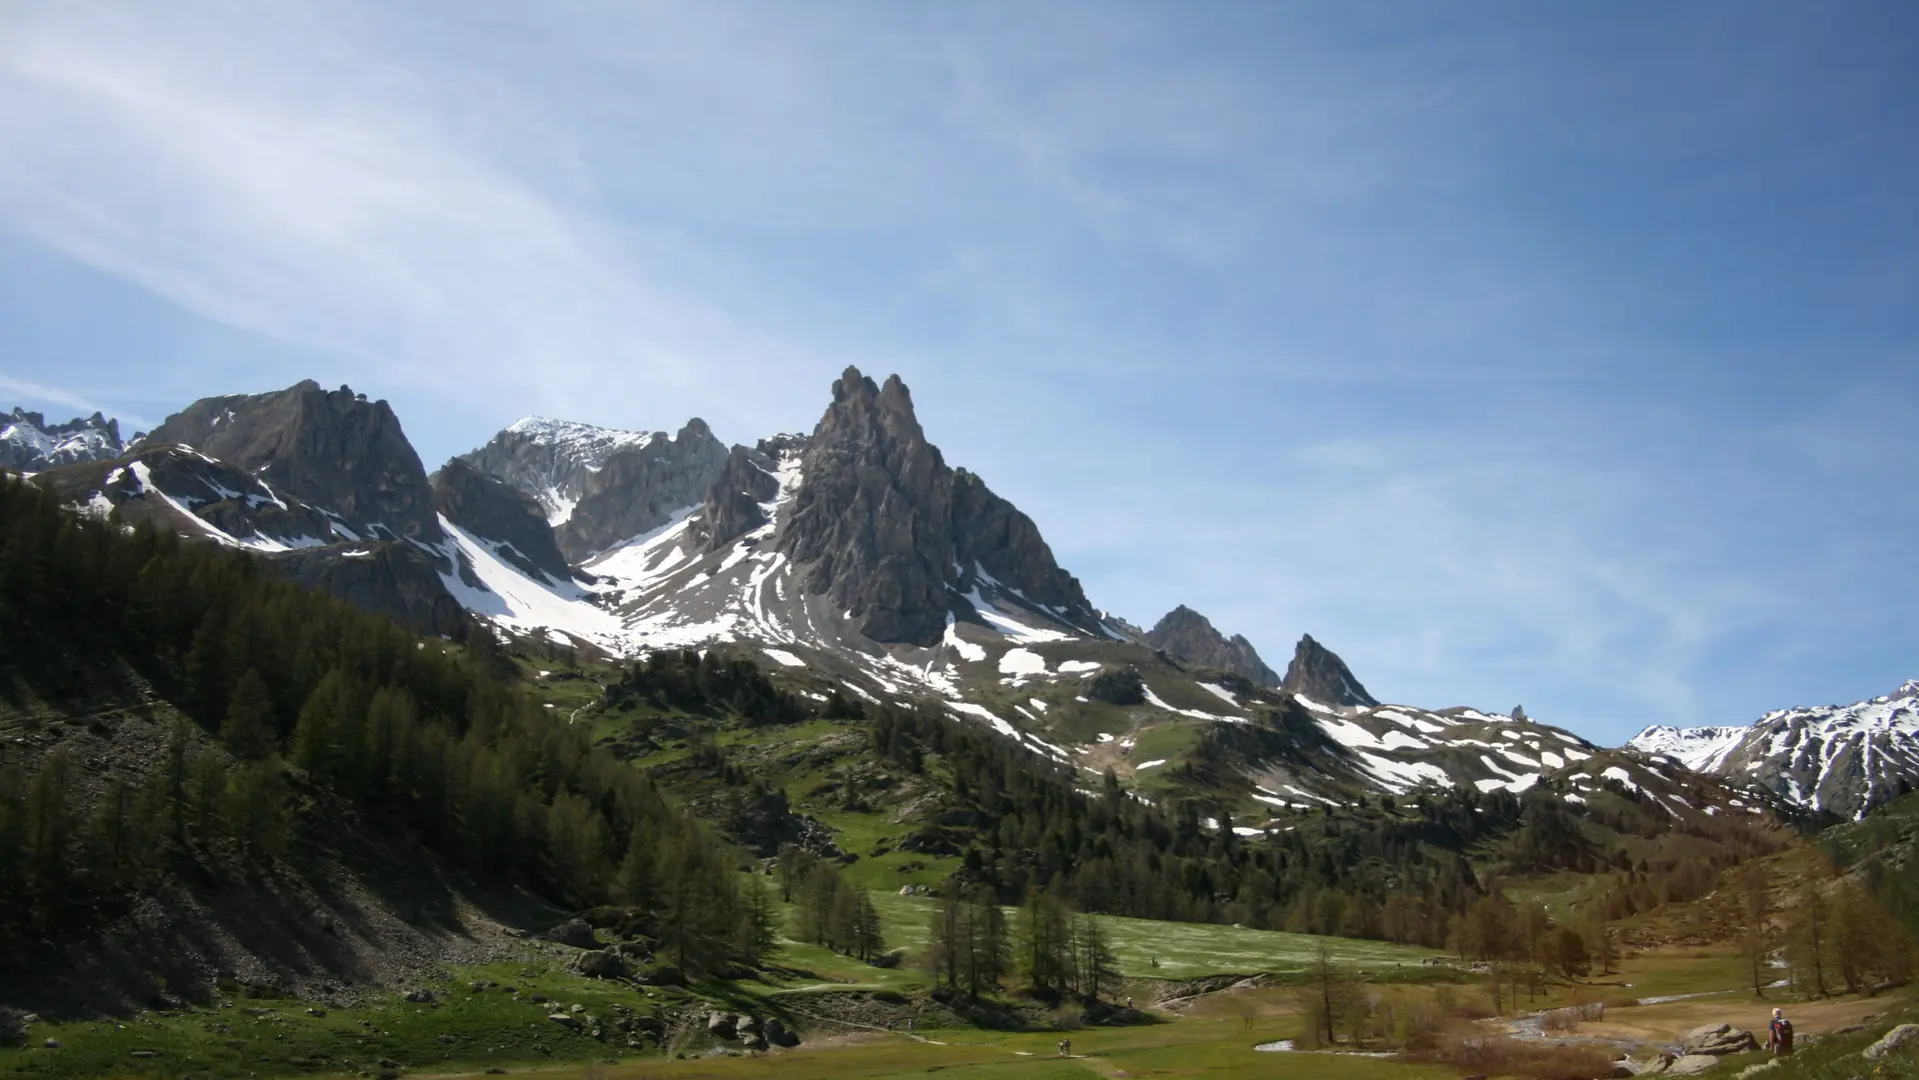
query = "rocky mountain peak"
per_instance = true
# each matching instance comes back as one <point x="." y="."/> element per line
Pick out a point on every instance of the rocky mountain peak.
<point x="895" y="537"/>
<point x="1188" y="636"/>
<point x="602" y="486"/>
<point x="1319" y="674"/>
<point x="29" y="444"/>
<point x="550" y="460"/>
<point x="331" y="449"/>
<point x="873" y="515"/>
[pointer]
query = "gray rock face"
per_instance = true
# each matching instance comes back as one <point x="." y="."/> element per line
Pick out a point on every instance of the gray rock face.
<point x="733" y="506"/>
<point x="29" y="444"/>
<point x="1188" y="636"/>
<point x="1717" y="1040"/>
<point x="493" y="510"/>
<point x="891" y="532"/>
<point x="393" y="579"/>
<point x="550" y="460"/>
<point x="874" y="513"/>
<point x="639" y="488"/>
<point x="1903" y="1037"/>
<point x="991" y="533"/>
<point x="1321" y="675"/>
<point x="331" y="449"/>
<point x="204" y="498"/>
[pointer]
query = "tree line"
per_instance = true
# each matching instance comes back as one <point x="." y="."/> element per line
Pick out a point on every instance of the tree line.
<point x="295" y="714"/>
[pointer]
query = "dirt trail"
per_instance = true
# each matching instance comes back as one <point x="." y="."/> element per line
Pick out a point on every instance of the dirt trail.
<point x="1665" y="1022"/>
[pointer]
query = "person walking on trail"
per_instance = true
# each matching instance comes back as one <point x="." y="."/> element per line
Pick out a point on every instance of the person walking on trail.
<point x="1066" y="1048"/>
<point x="1779" y="1034"/>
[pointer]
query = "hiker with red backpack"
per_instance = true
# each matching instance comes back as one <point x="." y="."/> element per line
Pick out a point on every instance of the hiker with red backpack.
<point x="1779" y="1034"/>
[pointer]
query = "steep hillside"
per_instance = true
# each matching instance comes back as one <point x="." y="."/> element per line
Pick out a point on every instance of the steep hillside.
<point x="209" y="774"/>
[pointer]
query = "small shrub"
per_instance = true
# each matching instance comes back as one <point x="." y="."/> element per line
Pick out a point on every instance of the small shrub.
<point x="1501" y="1055"/>
<point x="13" y="1027"/>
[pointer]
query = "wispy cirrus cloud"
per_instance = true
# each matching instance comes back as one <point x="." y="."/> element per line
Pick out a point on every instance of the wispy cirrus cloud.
<point x="35" y="392"/>
<point x="260" y="168"/>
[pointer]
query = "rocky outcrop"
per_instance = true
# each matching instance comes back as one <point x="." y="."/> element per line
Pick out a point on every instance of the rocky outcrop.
<point x="1717" y="1040"/>
<point x="873" y="516"/>
<point x="551" y="460"/>
<point x="733" y="507"/>
<point x="331" y="449"/>
<point x="192" y="494"/>
<point x="492" y="510"/>
<point x="29" y="444"/>
<point x="1899" y="1038"/>
<point x="891" y="534"/>
<point x="1319" y="674"/>
<point x="393" y="579"/>
<point x="1189" y="637"/>
<point x="641" y="487"/>
<point x="1118" y="686"/>
<point x="991" y="533"/>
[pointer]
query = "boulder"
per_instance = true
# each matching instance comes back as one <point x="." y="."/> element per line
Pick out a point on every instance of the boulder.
<point x="420" y="996"/>
<point x="1905" y="1036"/>
<point x="722" y="1025"/>
<point x="777" y="1034"/>
<point x="753" y="1042"/>
<point x="565" y="1020"/>
<point x="575" y="932"/>
<point x="1691" y="1063"/>
<point x="1717" y="1040"/>
<point x="52" y="1044"/>
<point x="606" y="964"/>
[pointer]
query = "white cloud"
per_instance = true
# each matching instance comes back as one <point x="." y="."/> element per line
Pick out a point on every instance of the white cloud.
<point x="264" y="171"/>
<point x="32" y="392"/>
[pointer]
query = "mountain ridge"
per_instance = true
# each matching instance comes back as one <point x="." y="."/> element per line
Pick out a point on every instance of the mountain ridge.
<point x="852" y="559"/>
<point x="1844" y="759"/>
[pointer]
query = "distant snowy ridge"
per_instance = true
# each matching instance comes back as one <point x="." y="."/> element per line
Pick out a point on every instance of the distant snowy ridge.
<point x="29" y="444"/>
<point x="1844" y="759"/>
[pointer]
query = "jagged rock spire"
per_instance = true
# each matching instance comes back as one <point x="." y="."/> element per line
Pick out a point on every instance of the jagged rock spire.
<point x="893" y="534"/>
<point x="1188" y="636"/>
<point x="1320" y="674"/>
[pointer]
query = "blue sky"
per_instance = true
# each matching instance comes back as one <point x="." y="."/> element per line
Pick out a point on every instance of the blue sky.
<point x="1556" y="354"/>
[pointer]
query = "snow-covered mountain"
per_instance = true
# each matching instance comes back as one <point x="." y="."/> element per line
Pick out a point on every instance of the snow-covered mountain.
<point x="1844" y="759"/>
<point x="29" y="444"/>
<point x="600" y="486"/>
<point x="552" y="459"/>
<point x="850" y="560"/>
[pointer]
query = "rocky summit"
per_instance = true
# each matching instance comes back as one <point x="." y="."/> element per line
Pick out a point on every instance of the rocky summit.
<point x="1188" y="636"/>
<point x="889" y="532"/>
<point x="1318" y="673"/>
<point x="29" y="444"/>
<point x="326" y="448"/>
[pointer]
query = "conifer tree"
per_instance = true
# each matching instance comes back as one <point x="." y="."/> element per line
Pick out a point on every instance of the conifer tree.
<point x="248" y="727"/>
